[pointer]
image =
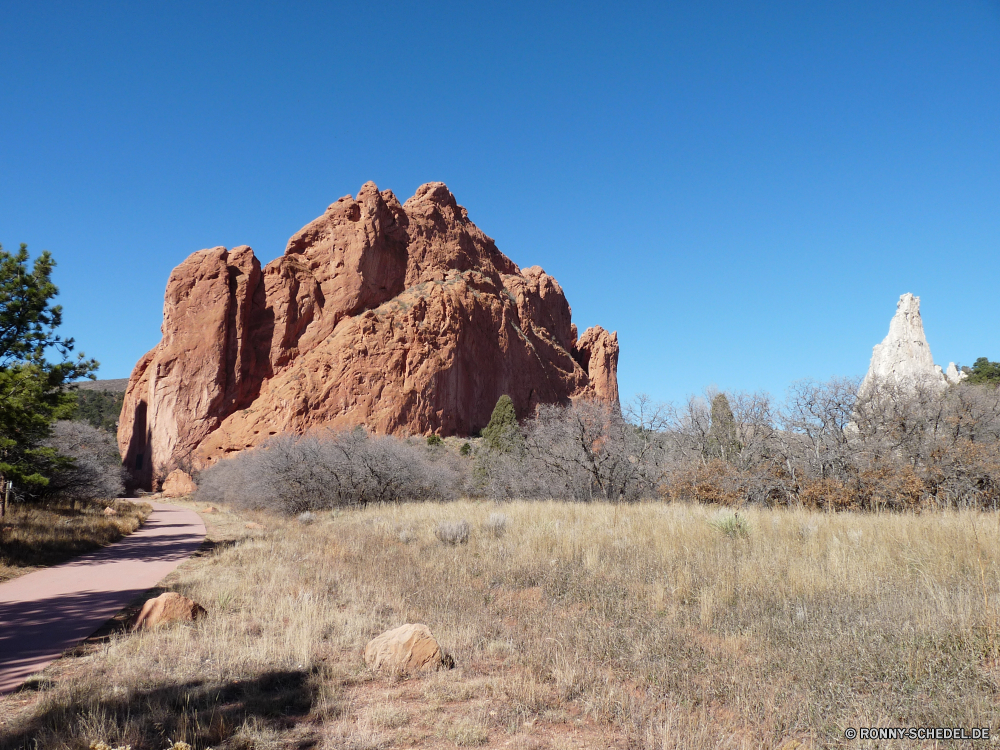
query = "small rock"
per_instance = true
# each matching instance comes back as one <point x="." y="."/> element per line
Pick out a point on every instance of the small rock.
<point x="109" y="511"/>
<point x="408" y="648"/>
<point x="166" y="608"/>
<point x="210" y="509"/>
<point x="178" y="484"/>
<point x="255" y="525"/>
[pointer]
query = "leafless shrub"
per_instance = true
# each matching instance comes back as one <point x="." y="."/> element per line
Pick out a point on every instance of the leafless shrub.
<point x="589" y="451"/>
<point x="294" y="474"/>
<point x="892" y="445"/>
<point x="453" y="532"/>
<point x="496" y="525"/>
<point x="94" y="469"/>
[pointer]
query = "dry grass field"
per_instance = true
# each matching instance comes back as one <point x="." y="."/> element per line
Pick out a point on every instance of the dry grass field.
<point x="648" y="626"/>
<point x="35" y="536"/>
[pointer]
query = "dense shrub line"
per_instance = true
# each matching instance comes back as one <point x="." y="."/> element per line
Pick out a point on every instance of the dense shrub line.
<point x="893" y="446"/>
<point x="294" y="474"/>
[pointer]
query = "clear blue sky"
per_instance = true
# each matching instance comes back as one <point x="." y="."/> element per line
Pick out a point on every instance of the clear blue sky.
<point x="741" y="190"/>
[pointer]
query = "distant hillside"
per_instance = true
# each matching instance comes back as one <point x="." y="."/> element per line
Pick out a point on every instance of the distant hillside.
<point x="116" y="385"/>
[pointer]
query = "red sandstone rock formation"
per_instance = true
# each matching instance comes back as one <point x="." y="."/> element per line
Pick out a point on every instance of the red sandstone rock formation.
<point x="167" y="608"/>
<point x="178" y="484"/>
<point x="404" y="318"/>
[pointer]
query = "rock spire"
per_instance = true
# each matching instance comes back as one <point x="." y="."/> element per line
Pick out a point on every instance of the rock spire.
<point x="904" y="355"/>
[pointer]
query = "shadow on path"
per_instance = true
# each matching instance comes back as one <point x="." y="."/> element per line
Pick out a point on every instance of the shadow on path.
<point x="44" y="613"/>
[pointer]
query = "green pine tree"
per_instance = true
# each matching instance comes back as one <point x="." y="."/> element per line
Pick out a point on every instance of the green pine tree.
<point x="984" y="371"/>
<point x="32" y="389"/>
<point x="502" y="434"/>
<point x="722" y="440"/>
<point x="99" y="409"/>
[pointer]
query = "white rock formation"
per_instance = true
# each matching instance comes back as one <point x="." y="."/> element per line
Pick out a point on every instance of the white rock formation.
<point x="954" y="375"/>
<point x="904" y="355"/>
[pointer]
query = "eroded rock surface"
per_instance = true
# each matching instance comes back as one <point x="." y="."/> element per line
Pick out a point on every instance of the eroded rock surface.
<point x="904" y="355"/>
<point x="953" y="375"/>
<point x="404" y="318"/>
<point x="167" y="608"/>
<point x="407" y="649"/>
<point x="178" y="484"/>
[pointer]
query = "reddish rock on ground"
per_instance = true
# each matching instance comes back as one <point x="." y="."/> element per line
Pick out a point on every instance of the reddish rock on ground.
<point x="167" y="608"/>
<point x="408" y="648"/>
<point x="405" y="318"/>
<point x="178" y="484"/>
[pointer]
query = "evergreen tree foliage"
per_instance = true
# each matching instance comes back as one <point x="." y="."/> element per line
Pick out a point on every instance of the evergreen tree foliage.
<point x="502" y="435"/>
<point x="32" y="389"/>
<point x="99" y="409"/>
<point x="722" y="440"/>
<point x="984" y="371"/>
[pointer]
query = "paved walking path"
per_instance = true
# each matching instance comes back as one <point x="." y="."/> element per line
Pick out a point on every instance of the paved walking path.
<point x="46" y="612"/>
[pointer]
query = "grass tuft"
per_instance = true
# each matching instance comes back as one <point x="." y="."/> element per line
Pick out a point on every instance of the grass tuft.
<point x="731" y="524"/>
<point x="453" y="532"/>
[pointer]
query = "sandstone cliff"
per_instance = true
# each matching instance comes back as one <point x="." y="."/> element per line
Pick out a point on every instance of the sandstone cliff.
<point x="904" y="354"/>
<point x="405" y="318"/>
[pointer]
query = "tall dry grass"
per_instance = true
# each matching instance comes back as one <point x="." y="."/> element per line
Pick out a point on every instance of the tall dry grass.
<point x="32" y="535"/>
<point x="581" y="625"/>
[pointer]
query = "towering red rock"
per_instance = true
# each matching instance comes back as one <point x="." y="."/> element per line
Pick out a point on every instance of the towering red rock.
<point x="404" y="318"/>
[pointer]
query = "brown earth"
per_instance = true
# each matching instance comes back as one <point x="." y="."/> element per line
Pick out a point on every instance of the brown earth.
<point x="406" y="319"/>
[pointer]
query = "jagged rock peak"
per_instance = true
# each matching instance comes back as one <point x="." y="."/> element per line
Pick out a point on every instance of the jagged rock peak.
<point x="405" y="318"/>
<point x="904" y="355"/>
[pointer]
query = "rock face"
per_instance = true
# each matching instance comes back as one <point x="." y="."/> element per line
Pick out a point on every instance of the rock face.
<point x="953" y="375"/>
<point x="408" y="648"/>
<point x="167" y="608"/>
<point x="178" y="484"/>
<point x="404" y="318"/>
<point x="904" y="354"/>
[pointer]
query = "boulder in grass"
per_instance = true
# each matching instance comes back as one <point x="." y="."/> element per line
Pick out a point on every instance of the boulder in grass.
<point x="409" y="648"/>
<point x="178" y="484"/>
<point x="109" y="511"/>
<point x="167" y="608"/>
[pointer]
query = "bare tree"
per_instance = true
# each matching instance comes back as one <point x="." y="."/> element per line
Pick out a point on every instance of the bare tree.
<point x="590" y="451"/>
<point x="91" y="467"/>
<point x="820" y="413"/>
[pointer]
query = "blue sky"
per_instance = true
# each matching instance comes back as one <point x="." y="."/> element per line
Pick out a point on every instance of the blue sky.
<point x="741" y="190"/>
